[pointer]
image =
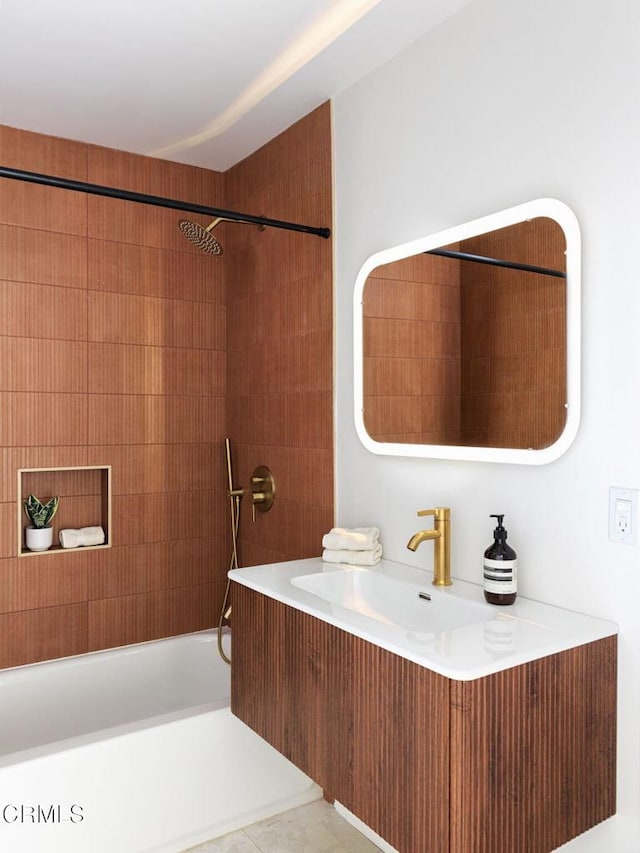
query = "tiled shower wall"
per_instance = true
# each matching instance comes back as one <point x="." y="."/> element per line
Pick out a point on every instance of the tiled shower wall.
<point x="280" y="351"/>
<point x="113" y="337"/>
<point x="112" y="332"/>
<point x="113" y="352"/>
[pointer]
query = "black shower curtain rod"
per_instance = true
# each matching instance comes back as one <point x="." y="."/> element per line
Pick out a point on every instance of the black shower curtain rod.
<point x="495" y="262"/>
<point x="157" y="201"/>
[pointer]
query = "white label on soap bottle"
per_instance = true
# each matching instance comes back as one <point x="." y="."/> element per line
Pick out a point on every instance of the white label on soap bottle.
<point x="501" y="576"/>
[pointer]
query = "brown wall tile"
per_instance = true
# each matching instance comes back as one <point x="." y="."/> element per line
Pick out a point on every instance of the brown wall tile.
<point x="280" y="356"/>
<point x="50" y="632"/>
<point x="154" y="177"/>
<point x="42" y="208"/>
<point x="149" y="419"/>
<point x="13" y="459"/>
<point x="140" y="324"/>
<point x="139" y="469"/>
<point x="36" y="420"/>
<point x="155" y="566"/>
<point x="129" y="369"/>
<point x="33" y="152"/>
<point x="40" y="364"/>
<point x="42" y="257"/>
<point x="62" y="583"/>
<point x="8" y="530"/>
<point x="36" y="310"/>
<point x="129" y="319"/>
<point x="18" y="590"/>
<point x="113" y="351"/>
<point x="148" y="616"/>
<point x="124" y="268"/>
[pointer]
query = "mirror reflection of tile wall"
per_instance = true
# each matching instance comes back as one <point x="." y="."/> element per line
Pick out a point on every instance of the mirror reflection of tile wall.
<point x="457" y="352"/>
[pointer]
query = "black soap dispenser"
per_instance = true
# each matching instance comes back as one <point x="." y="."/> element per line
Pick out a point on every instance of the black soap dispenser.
<point x="500" y="568"/>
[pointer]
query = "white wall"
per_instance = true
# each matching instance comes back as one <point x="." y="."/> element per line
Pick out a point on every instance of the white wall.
<point x="506" y="102"/>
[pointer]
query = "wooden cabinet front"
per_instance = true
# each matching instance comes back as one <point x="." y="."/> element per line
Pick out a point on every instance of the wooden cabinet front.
<point x="522" y="760"/>
<point x="369" y="727"/>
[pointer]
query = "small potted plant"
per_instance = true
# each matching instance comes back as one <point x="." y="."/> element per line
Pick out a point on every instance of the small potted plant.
<point x="39" y="534"/>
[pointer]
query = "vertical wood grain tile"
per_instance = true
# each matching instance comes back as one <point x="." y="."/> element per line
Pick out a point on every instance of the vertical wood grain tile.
<point x="35" y="152"/>
<point x="35" y="635"/>
<point x="124" y="268"/>
<point x="149" y="419"/>
<point x="144" y="320"/>
<point x="18" y="590"/>
<point x="38" y="420"/>
<point x="154" y="176"/>
<point x="130" y="369"/>
<point x="138" y="224"/>
<point x="156" y="369"/>
<point x="44" y="208"/>
<point x="59" y="579"/>
<point x="148" y="616"/>
<point x="14" y="458"/>
<point x="280" y="355"/>
<point x="42" y="257"/>
<point x="42" y="365"/>
<point x="37" y="310"/>
<point x="155" y="364"/>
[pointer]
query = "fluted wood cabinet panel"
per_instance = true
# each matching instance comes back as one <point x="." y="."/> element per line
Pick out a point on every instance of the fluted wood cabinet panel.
<point x="522" y="760"/>
<point x="534" y="752"/>
<point x="363" y="723"/>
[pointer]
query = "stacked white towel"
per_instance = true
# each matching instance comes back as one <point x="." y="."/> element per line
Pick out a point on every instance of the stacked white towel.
<point x="359" y="546"/>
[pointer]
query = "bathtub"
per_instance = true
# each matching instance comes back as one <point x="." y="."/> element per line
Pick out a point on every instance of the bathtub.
<point x="133" y="750"/>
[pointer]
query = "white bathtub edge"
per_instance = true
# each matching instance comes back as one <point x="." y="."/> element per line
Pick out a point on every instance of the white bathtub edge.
<point x="78" y="741"/>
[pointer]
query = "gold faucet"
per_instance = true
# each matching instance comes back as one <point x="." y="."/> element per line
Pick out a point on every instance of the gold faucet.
<point x="440" y="535"/>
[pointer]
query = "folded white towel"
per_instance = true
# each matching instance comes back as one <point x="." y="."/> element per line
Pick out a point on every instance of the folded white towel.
<point x="370" y="557"/>
<point x="355" y="539"/>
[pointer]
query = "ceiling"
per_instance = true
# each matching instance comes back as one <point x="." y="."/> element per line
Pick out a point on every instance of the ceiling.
<point x="204" y="82"/>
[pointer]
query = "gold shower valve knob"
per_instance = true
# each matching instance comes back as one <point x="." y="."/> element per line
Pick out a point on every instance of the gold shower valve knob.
<point x="263" y="490"/>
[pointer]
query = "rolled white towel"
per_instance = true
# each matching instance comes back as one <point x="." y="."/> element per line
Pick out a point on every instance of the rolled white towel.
<point x="354" y="539"/>
<point x="370" y="557"/>
<point x="76" y="538"/>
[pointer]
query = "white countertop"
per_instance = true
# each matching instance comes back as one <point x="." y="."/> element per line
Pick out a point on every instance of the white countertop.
<point x="492" y="639"/>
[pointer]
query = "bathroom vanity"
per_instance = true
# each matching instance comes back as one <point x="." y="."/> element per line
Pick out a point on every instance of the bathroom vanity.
<point x="441" y="722"/>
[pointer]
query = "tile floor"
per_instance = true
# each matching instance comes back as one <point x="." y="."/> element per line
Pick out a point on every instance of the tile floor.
<point x="314" y="828"/>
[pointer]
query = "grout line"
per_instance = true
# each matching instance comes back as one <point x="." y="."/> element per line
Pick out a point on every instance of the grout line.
<point x="251" y="841"/>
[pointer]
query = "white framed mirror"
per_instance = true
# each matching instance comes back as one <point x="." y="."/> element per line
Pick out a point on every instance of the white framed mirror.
<point x="467" y="342"/>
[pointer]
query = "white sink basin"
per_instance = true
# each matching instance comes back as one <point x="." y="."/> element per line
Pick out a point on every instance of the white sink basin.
<point x="450" y="630"/>
<point x="414" y="607"/>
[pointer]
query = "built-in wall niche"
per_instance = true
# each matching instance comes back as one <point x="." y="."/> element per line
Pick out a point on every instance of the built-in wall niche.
<point x="85" y="501"/>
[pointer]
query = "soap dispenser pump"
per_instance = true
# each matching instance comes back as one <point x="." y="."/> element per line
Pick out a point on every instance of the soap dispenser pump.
<point x="500" y="568"/>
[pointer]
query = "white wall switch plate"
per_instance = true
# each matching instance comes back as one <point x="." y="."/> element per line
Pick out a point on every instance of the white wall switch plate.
<point x="623" y="515"/>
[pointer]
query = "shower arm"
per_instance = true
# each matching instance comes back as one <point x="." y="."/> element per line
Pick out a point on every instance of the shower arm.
<point x="156" y="201"/>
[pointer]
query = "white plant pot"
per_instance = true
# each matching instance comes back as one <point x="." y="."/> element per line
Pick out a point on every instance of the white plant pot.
<point x="39" y="538"/>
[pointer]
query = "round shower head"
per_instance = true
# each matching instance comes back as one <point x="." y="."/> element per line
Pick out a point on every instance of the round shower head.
<point x="201" y="237"/>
